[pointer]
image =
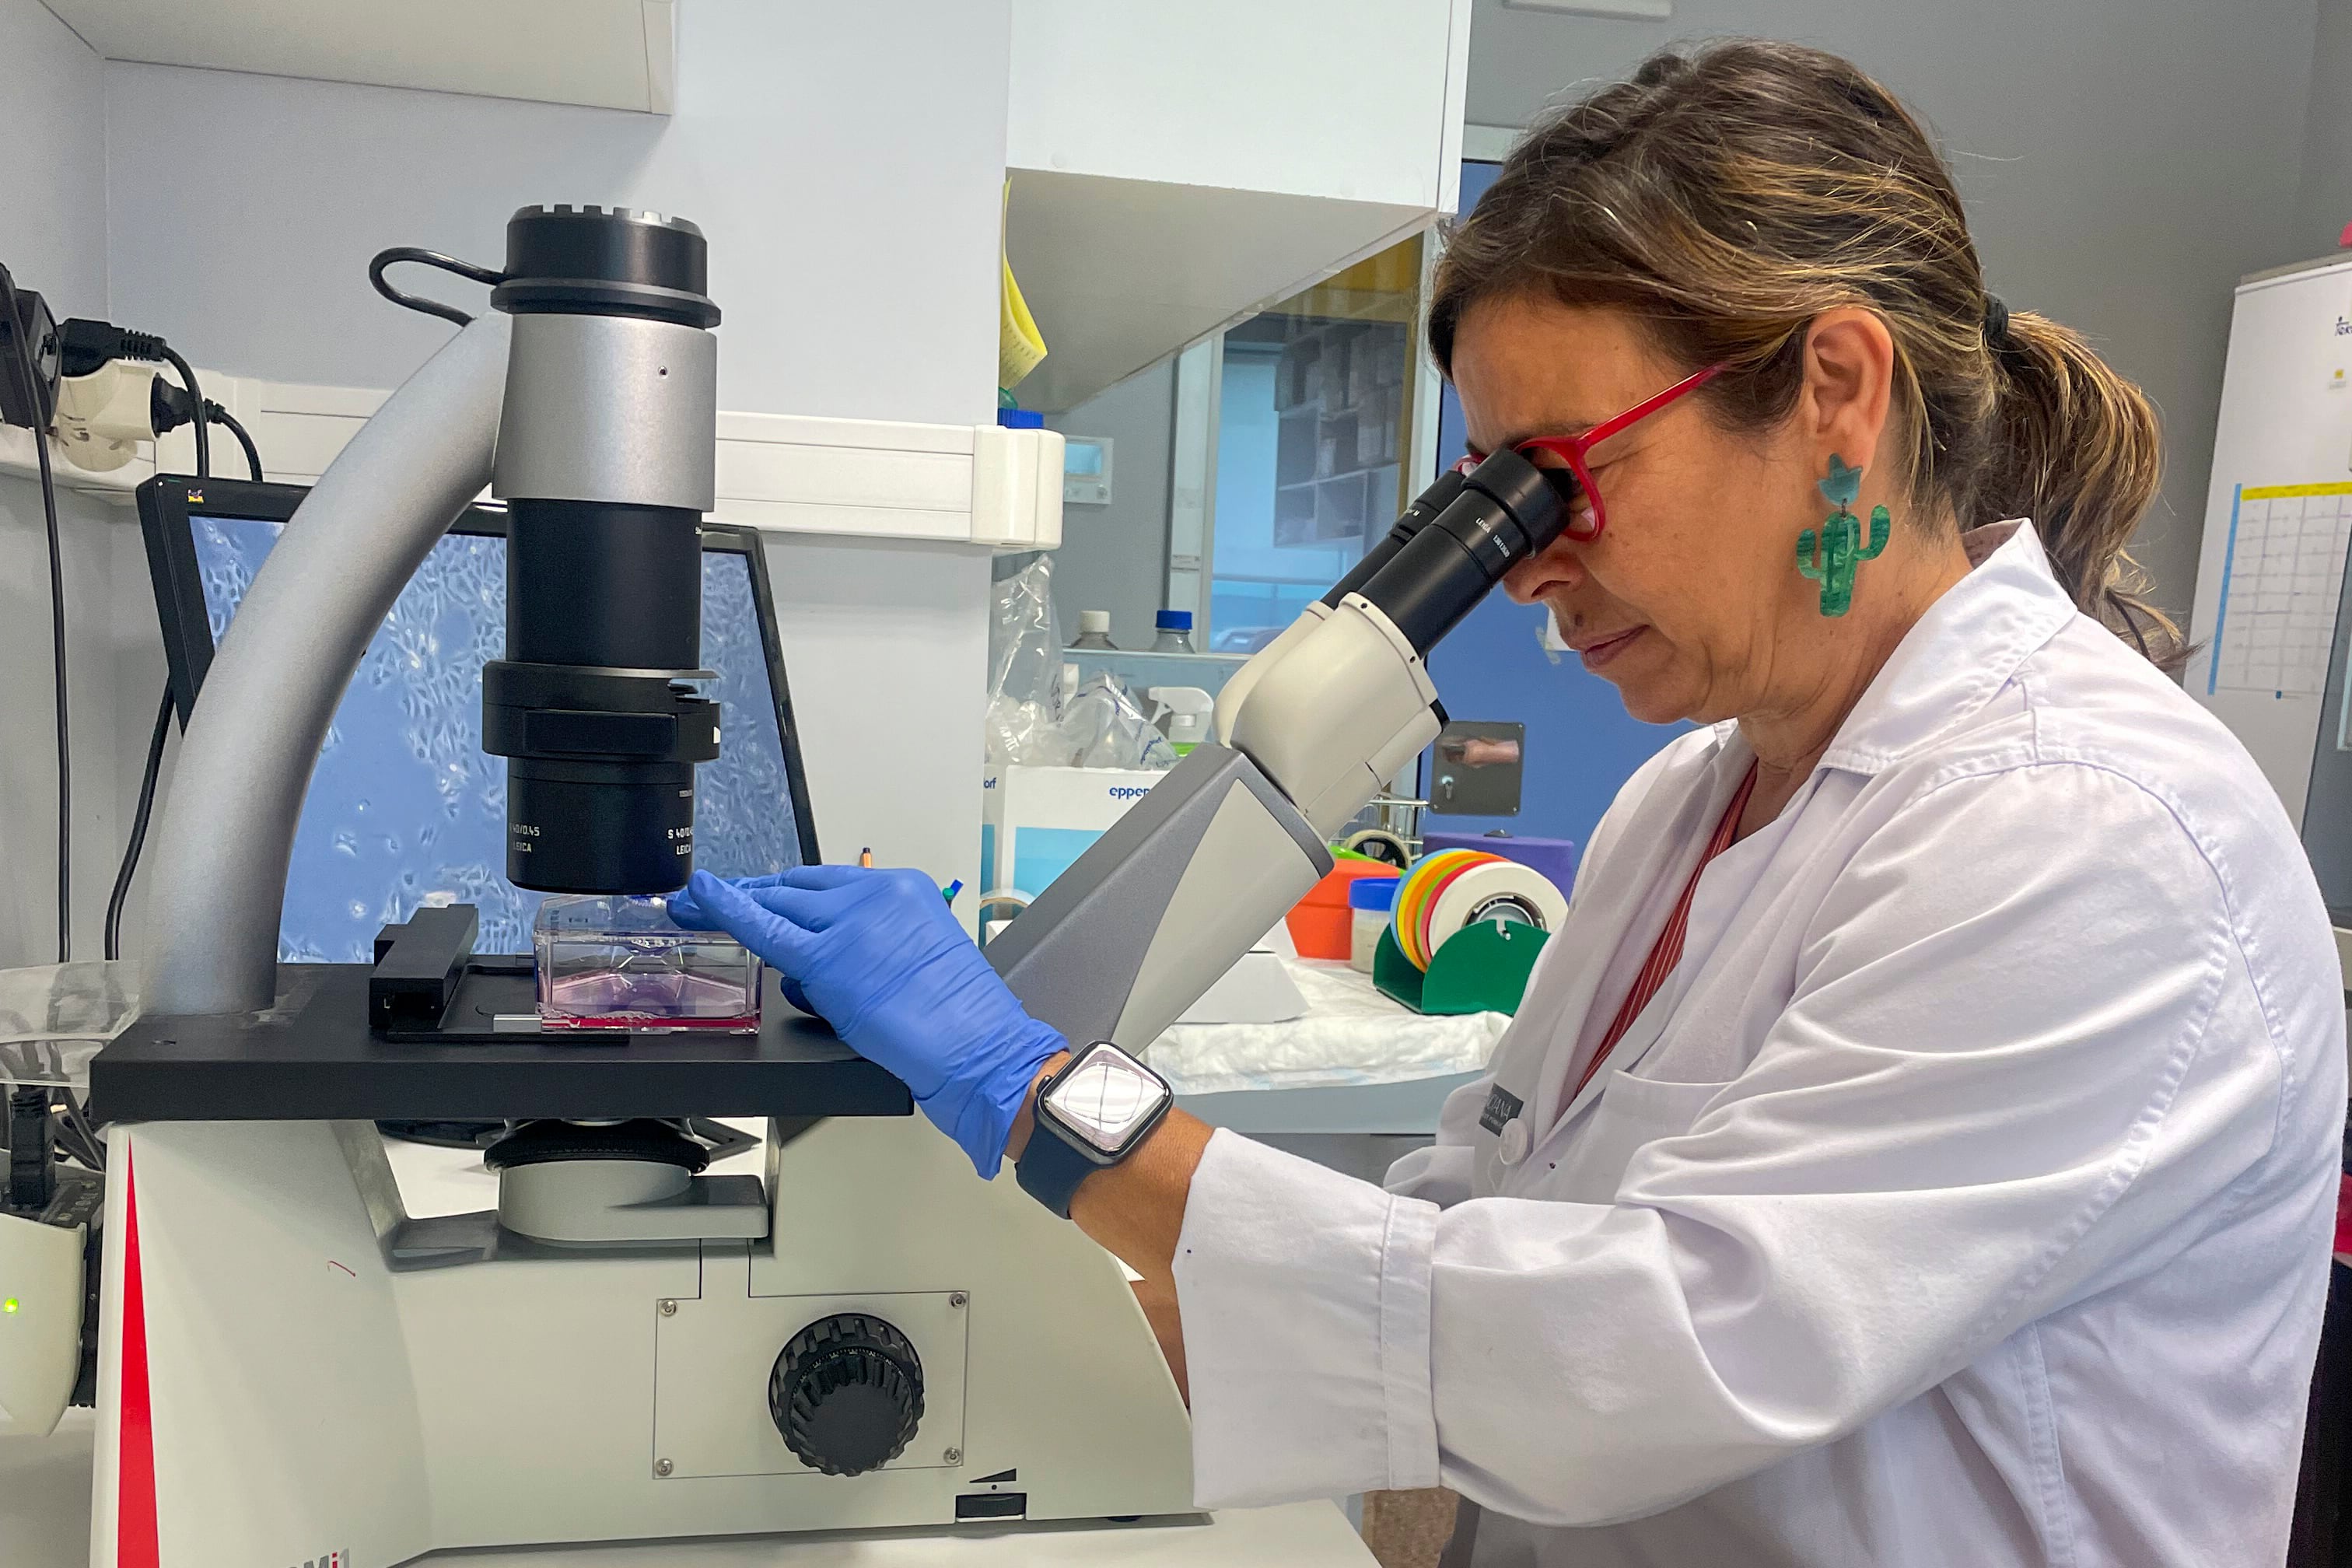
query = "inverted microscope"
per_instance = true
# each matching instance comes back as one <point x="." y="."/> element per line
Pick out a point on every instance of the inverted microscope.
<point x="630" y="1347"/>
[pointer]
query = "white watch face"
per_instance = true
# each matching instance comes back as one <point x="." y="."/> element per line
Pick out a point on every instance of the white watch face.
<point x="1105" y="1098"/>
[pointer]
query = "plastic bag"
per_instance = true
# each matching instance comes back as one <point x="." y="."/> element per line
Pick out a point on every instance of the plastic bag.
<point x="1031" y="719"/>
<point x="1105" y="726"/>
<point x="1025" y="666"/>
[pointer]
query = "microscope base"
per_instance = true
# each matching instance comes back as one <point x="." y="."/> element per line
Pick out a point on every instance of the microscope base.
<point x="292" y="1368"/>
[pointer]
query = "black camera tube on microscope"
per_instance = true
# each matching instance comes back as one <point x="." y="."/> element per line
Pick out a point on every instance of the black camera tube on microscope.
<point x="605" y="462"/>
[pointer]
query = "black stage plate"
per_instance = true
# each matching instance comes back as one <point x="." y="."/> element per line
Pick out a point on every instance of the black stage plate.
<point x="313" y="1059"/>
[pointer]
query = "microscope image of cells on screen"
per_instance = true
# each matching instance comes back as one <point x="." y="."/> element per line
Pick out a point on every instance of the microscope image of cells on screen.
<point x="406" y="810"/>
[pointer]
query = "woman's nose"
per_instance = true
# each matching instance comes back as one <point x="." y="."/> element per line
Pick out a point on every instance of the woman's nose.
<point x="1556" y="567"/>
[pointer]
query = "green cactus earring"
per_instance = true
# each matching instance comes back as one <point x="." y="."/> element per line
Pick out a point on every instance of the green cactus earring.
<point x="1830" y="556"/>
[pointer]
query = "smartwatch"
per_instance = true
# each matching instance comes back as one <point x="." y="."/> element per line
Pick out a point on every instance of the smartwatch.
<point x="1096" y="1111"/>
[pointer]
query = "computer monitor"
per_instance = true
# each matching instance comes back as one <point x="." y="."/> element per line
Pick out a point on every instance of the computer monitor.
<point x="405" y="807"/>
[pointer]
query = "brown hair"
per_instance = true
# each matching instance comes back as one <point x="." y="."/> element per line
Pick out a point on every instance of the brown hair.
<point x="1728" y="197"/>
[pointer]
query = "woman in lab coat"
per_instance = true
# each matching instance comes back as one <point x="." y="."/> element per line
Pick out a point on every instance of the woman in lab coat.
<point x="1920" y="1143"/>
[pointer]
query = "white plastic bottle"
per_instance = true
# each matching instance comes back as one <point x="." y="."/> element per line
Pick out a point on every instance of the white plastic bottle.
<point x="1185" y="714"/>
<point x="1094" y="631"/>
<point x="1371" y="905"/>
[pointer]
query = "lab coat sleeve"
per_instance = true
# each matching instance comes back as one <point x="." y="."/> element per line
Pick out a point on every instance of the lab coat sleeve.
<point x="2021" y="1052"/>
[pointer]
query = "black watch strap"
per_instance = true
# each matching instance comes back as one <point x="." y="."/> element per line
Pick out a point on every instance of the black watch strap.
<point x="1050" y="1168"/>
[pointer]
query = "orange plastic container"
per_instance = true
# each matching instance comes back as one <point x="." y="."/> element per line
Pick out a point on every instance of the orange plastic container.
<point x="1321" y="924"/>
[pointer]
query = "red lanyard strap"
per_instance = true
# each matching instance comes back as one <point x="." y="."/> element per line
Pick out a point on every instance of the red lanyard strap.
<point x="1667" y="950"/>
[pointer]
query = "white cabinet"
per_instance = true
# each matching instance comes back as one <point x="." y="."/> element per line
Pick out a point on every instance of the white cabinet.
<point x="606" y="54"/>
<point x="1175" y="167"/>
<point x="1347" y="99"/>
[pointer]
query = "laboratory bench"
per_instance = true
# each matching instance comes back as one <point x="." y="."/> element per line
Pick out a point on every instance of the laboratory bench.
<point x="1354" y="1083"/>
<point x="44" y="1523"/>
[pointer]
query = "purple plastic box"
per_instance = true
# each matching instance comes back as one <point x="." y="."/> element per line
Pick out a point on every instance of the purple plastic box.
<point x="1554" y="858"/>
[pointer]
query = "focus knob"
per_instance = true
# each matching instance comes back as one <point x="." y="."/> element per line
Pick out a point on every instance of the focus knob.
<point x="847" y="1394"/>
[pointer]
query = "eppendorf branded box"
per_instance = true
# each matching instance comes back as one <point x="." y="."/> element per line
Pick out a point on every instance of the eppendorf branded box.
<point x="1035" y="820"/>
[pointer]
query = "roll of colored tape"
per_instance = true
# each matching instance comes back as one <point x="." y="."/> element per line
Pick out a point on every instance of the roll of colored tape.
<point x="1411" y="891"/>
<point x="1496" y="890"/>
<point x="1420" y="886"/>
<point x="1426" y="937"/>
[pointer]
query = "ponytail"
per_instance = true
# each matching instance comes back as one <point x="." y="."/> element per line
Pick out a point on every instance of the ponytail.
<point x="2076" y="448"/>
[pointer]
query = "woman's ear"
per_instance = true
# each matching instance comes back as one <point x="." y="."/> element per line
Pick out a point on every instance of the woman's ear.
<point x="1849" y="386"/>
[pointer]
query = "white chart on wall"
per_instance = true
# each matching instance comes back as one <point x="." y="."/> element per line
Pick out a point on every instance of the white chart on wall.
<point x="2276" y="620"/>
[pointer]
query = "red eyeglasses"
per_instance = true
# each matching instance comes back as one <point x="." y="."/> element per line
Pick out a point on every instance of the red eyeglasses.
<point x="1588" y="519"/>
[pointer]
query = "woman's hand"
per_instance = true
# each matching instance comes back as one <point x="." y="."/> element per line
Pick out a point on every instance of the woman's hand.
<point x="878" y="955"/>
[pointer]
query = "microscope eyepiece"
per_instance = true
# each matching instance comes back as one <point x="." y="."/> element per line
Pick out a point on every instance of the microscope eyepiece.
<point x="1424" y="511"/>
<point x="606" y="459"/>
<point x="1458" y="540"/>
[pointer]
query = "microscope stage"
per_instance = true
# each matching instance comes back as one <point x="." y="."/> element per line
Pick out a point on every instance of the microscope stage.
<point x="314" y="1058"/>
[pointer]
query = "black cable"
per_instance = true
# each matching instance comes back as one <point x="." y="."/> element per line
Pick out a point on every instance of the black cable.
<point x="400" y="253"/>
<point x="70" y="1134"/>
<point x="58" y="658"/>
<point x="156" y="738"/>
<point x="138" y="825"/>
<point x="73" y="1114"/>
<point x="222" y="417"/>
<point x="32" y="400"/>
<point x="173" y="358"/>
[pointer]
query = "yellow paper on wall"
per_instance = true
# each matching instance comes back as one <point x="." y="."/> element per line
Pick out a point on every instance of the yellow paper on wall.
<point x="1019" y="345"/>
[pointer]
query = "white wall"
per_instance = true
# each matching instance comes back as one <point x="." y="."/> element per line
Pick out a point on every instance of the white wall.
<point x="53" y="176"/>
<point x="886" y="647"/>
<point x="2125" y="161"/>
<point x="53" y="240"/>
<point x="2324" y="201"/>
<point x="846" y="164"/>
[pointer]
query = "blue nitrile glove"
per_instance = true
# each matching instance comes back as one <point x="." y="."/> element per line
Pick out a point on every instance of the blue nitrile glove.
<point x="879" y="956"/>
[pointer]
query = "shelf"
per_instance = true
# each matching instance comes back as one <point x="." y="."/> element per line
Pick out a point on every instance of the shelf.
<point x="601" y="54"/>
<point x="1355" y="473"/>
<point x="871" y="478"/>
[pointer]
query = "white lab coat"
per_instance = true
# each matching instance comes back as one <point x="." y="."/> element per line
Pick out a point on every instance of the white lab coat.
<point x="1964" y="1197"/>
